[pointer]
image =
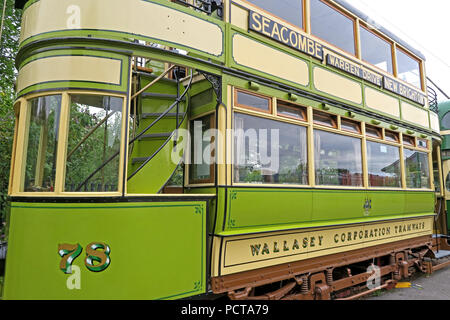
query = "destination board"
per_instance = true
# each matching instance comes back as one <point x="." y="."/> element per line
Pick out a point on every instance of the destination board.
<point x="284" y="35"/>
<point x="404" y="91"/>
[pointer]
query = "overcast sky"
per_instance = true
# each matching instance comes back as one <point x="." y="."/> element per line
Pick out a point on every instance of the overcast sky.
<point x="425" y="25"/>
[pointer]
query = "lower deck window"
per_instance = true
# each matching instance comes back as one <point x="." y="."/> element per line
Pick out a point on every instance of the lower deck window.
<point x="417" y="170"/>
<point x="269" y="152"/>
<point x="201" y="169"/>
<point x="42" y="143"/>
<point x="383" y="162"/>
<point x="94" y="137"/>
<point x="337" y="159"/>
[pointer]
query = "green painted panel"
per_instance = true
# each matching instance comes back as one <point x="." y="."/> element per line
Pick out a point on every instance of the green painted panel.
<point x="266" y="207"/>
<point x="157" y="250"/>
<point x="338" y="204"/>
<point x="270" y="207"/>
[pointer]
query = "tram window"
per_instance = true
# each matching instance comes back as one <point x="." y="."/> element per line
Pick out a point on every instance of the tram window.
<point x="43" y="129"/>
<point x="409" y="141"/>
<point x="422" y="143"/>
<point x="253" y="101"/>
<point x="337" y="159"/>
<point x="351" y="126"/>
<point x="289" y="10"/>
<point x="445" y="122"/>
<point x="291" y="111"/>
<point x="416" y="169"/>
<point x="408" y="69"/>
<point x="447" y="182"/>
<point x="201" y="169"/>
<point x="332" y="26"/>
<point x="391" y="136"/>
<point x="383" y="162"/>
<point x="95" y="133"/>
<point x="373" y="132"/>
<point x="269" y="152"/>
<point x="376" y="50"/>
<point x="325" y="119"/>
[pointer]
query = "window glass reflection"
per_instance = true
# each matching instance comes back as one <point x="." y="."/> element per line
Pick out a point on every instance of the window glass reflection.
<point x="408" y="69"/>
<point x="332" y="26"/>
<point x="337" y="159"/>
<point x="268" y="151"/>
<point x="417" y="170"/>
<point x="383" y="162"/>
<point x="376" y="50"/>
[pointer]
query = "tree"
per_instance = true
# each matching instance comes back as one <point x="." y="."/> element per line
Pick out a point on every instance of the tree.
<point x="8" y="49"/>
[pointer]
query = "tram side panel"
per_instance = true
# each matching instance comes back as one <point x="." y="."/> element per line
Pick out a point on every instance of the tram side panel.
<point x="144" y="250"/>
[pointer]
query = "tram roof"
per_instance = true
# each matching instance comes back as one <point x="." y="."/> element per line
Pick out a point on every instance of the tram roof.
<point x="21" y="3"/>
<point x="380" y="28"/>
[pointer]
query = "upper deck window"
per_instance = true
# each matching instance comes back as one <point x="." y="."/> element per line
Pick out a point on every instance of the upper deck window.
<point x="332" y="26"/>
<point x="408" y="69"/>
<point x="376" y="50"/>
<point x="288" y="10"/>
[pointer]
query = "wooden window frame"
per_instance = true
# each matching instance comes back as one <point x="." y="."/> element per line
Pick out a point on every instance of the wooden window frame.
<point x="420" y="147"/>
<point x="379" y="130"/>
<point x="333" y="117"/>
<point x="419" y="61"/>
<point x="359" y="132"/>
<point x="396" y="134"/>
<point x="353" y="19"/>
<point x="292" y="106"/>
<point x="407" y="144"/>
<point x="387" y="40"/>
<point x="212" y="170"/>
<point x="238" y="105"/>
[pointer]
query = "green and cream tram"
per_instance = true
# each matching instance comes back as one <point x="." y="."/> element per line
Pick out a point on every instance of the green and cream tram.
<point x="254" y="149"/>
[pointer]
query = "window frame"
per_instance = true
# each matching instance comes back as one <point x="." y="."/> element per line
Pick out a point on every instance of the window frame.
<point x="383" y="38"/>
<point x="345" y="14"/>
<point x="212" y="167"/>
<point x="292" y="106"/>
<point x="236" y="103"/>
<point x="334" y="120"/>
<point x="419" y="61"/>
<point x="304" y="15"/>
<point x="23" y="124"/>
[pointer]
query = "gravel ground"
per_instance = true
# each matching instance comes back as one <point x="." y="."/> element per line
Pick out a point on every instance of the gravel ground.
<point x="424" y="287"/>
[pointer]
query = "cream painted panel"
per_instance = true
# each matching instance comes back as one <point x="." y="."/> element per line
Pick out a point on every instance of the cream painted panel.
<point x="74" y="68"/>
<point x="239" y="17"/>
<point x="413" y="114"/>
<point x="434" y="122"/>
<point x="336" y="85"/>
<point x="252" y="54"/>
<point x="130" y="16"/>
<point x="382" y="102"/>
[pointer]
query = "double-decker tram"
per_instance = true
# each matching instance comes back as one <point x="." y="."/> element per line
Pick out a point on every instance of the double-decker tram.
<point x="246" y="149"/>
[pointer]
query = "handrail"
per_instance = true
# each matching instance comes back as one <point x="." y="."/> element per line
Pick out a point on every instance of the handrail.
<point x="178" y="100"/>
<point x="170" y="137"/>
<point x="162" y="75"/>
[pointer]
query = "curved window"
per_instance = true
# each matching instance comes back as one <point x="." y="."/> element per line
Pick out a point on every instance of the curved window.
<point x="42" y="144"/>
<point x="332" y="26"/>
<point x="289" y="10"/>
<point x="383" y="163"/>
<point x="95" y="127"/>
<point x="445" y="122"/>
<point x="447" y="182"/>
<point x="269" y="151"/>
<point x="337" y="159"/>
<point x="417" y="169"/>
<point x="376" y="50"/>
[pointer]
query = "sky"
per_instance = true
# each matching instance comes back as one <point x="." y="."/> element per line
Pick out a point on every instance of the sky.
<point x="425" y="25"/>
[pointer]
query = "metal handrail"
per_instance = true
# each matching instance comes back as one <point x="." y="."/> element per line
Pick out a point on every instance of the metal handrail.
<point x="177" y="101"/>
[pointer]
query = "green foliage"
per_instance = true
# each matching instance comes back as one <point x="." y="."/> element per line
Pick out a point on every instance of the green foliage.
<point x="9" y="44"/>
